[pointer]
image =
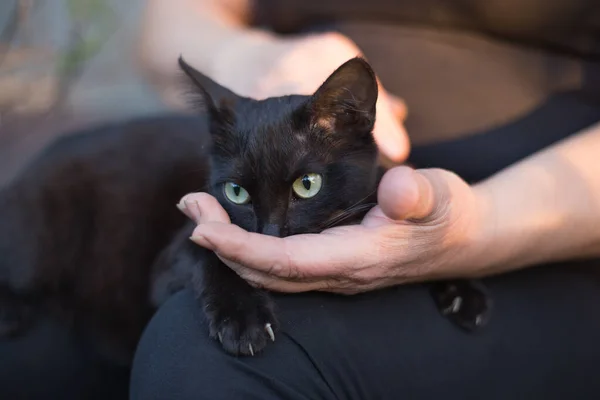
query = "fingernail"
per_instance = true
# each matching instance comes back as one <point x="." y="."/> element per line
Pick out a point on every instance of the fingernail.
<point x="202" y="241"/>
<point x="193" y="210"/>
<point x="181" y="206"/>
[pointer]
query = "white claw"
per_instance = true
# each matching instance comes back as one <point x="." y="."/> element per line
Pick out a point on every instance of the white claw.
<point x="250" y="348"/>
<point x="478" y="320"/>
<point x="454" y="307"/>
<point x="270" y="331"/>
<point x="456" y="304"/>
<point x="220" y="337"/>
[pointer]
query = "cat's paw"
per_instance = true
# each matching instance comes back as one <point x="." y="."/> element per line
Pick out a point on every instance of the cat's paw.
<point x="243" y="328"/>
<point x="466" y="303"/>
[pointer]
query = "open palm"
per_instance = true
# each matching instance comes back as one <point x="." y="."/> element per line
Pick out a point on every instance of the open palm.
<point x="421" y="229"/>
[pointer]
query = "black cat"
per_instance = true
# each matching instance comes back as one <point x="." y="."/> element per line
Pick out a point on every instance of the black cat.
<point x="90" y="230"/>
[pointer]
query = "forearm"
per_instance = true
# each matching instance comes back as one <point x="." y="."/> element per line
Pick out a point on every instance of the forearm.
<point x="215" y="37"/>
<point x="543" y="209"/>
<point x="197" y="29"/>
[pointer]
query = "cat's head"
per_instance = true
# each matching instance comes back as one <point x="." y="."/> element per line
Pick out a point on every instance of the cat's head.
<point x="293" y="164"/>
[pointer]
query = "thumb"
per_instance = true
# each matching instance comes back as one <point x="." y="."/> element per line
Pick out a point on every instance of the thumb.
<point x="405" y="193"/>
<point x="202" y="208"/>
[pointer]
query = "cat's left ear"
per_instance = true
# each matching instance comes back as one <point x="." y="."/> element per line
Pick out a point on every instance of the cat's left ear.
<point x="208" y="94"/>
<point x="346" y="101"/>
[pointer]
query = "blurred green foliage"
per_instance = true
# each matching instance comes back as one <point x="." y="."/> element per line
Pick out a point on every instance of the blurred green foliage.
<point x="93" y="21"/>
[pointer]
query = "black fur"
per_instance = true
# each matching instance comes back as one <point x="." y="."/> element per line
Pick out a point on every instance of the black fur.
<point x="90" y="230"/>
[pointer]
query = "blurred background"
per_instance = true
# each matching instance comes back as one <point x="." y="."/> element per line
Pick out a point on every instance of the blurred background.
<point x="481" y="90"/>
<point x="475" y="75"/>
<point x="65" y="63"/>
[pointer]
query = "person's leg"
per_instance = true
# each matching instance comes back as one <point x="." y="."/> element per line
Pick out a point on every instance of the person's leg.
<point x="48" y="362"/>
<point x="542" y="342"/>
<point x="176" y="359"/>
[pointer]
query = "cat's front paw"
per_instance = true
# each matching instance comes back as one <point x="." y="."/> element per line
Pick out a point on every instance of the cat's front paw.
<point x="466" y="303"/>
<point x="244" y="328"/>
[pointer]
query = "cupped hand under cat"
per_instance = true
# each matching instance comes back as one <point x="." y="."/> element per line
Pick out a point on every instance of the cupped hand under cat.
<point x="428" y="224"/>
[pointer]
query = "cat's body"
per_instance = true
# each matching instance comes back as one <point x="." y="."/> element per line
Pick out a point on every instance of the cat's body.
<point x="90" y="230"/>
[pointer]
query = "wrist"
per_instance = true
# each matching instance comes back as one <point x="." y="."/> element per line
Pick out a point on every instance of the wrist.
<point x="474" y="250"/>
<point x="249" y="47"/>
<point x="279" y="65"/>
<point x="522" y="225"/>
<point x="490" y="251"/>
<point x="458" y="227"/>
<point x="475" y="243"/>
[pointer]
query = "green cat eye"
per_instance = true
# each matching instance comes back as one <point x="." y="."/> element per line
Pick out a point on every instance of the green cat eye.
<point x="236" y="194"/>
<point x="308" y="185"/>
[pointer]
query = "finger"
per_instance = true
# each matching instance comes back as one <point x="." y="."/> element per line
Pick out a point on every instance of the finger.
<point x="389" y="134"/>
<point x="423" y="194"/>
<point x="183" y="208"/>
<point x="404" y="193"/>
<point x="445" y="189"/>
<point x="265" y="281"/>
<point x="398" y="106"/>
<point x="297" y="257"/>
<point x="202" y="208"/>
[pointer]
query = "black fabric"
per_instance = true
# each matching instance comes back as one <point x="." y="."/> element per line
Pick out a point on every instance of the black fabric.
<point x="50" y="363"/>
<point x="562" y="26"/>
<point x="478" y="156"/>
<point x="541" y="344"/>
<point x="470" y="67"/>
<point x="459" y="86"/>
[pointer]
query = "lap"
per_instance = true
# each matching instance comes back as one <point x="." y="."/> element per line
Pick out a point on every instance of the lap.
<point x="50" y="362"/>
<point x="541" y="342"/>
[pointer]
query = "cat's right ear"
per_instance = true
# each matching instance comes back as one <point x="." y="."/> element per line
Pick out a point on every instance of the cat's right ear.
<point x="346" y="101"/>
<point x="208" y="95"/>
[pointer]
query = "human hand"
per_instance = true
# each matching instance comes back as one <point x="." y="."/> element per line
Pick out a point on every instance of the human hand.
<point x="427" y="225"/>
<point x="215" y="39"/>
<point x="276" y="67"/>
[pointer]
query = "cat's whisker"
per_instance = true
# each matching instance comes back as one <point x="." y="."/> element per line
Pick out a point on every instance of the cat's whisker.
<point x="203" y="188"/>
<point x="350" y="211"/>
<point x="347" y="214"/>
<point x="356" y="210"/>
<point x="359" y="202"/>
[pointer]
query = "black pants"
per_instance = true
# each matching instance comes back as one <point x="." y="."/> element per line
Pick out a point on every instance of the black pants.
<point x="542" y="343"/>
<point x="50" y="363"/>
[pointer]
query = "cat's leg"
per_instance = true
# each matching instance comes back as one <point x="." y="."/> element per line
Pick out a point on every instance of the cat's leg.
<point x="240" y="316"/>
<point x="467" y="303"/>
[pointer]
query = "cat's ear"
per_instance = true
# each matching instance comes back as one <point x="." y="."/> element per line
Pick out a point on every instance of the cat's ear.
<point x="346" y="101"/>
<point x="207" y="94"/>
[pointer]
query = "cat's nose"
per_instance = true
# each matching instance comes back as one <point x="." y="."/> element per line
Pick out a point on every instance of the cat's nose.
<point x="271" y="230"/>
